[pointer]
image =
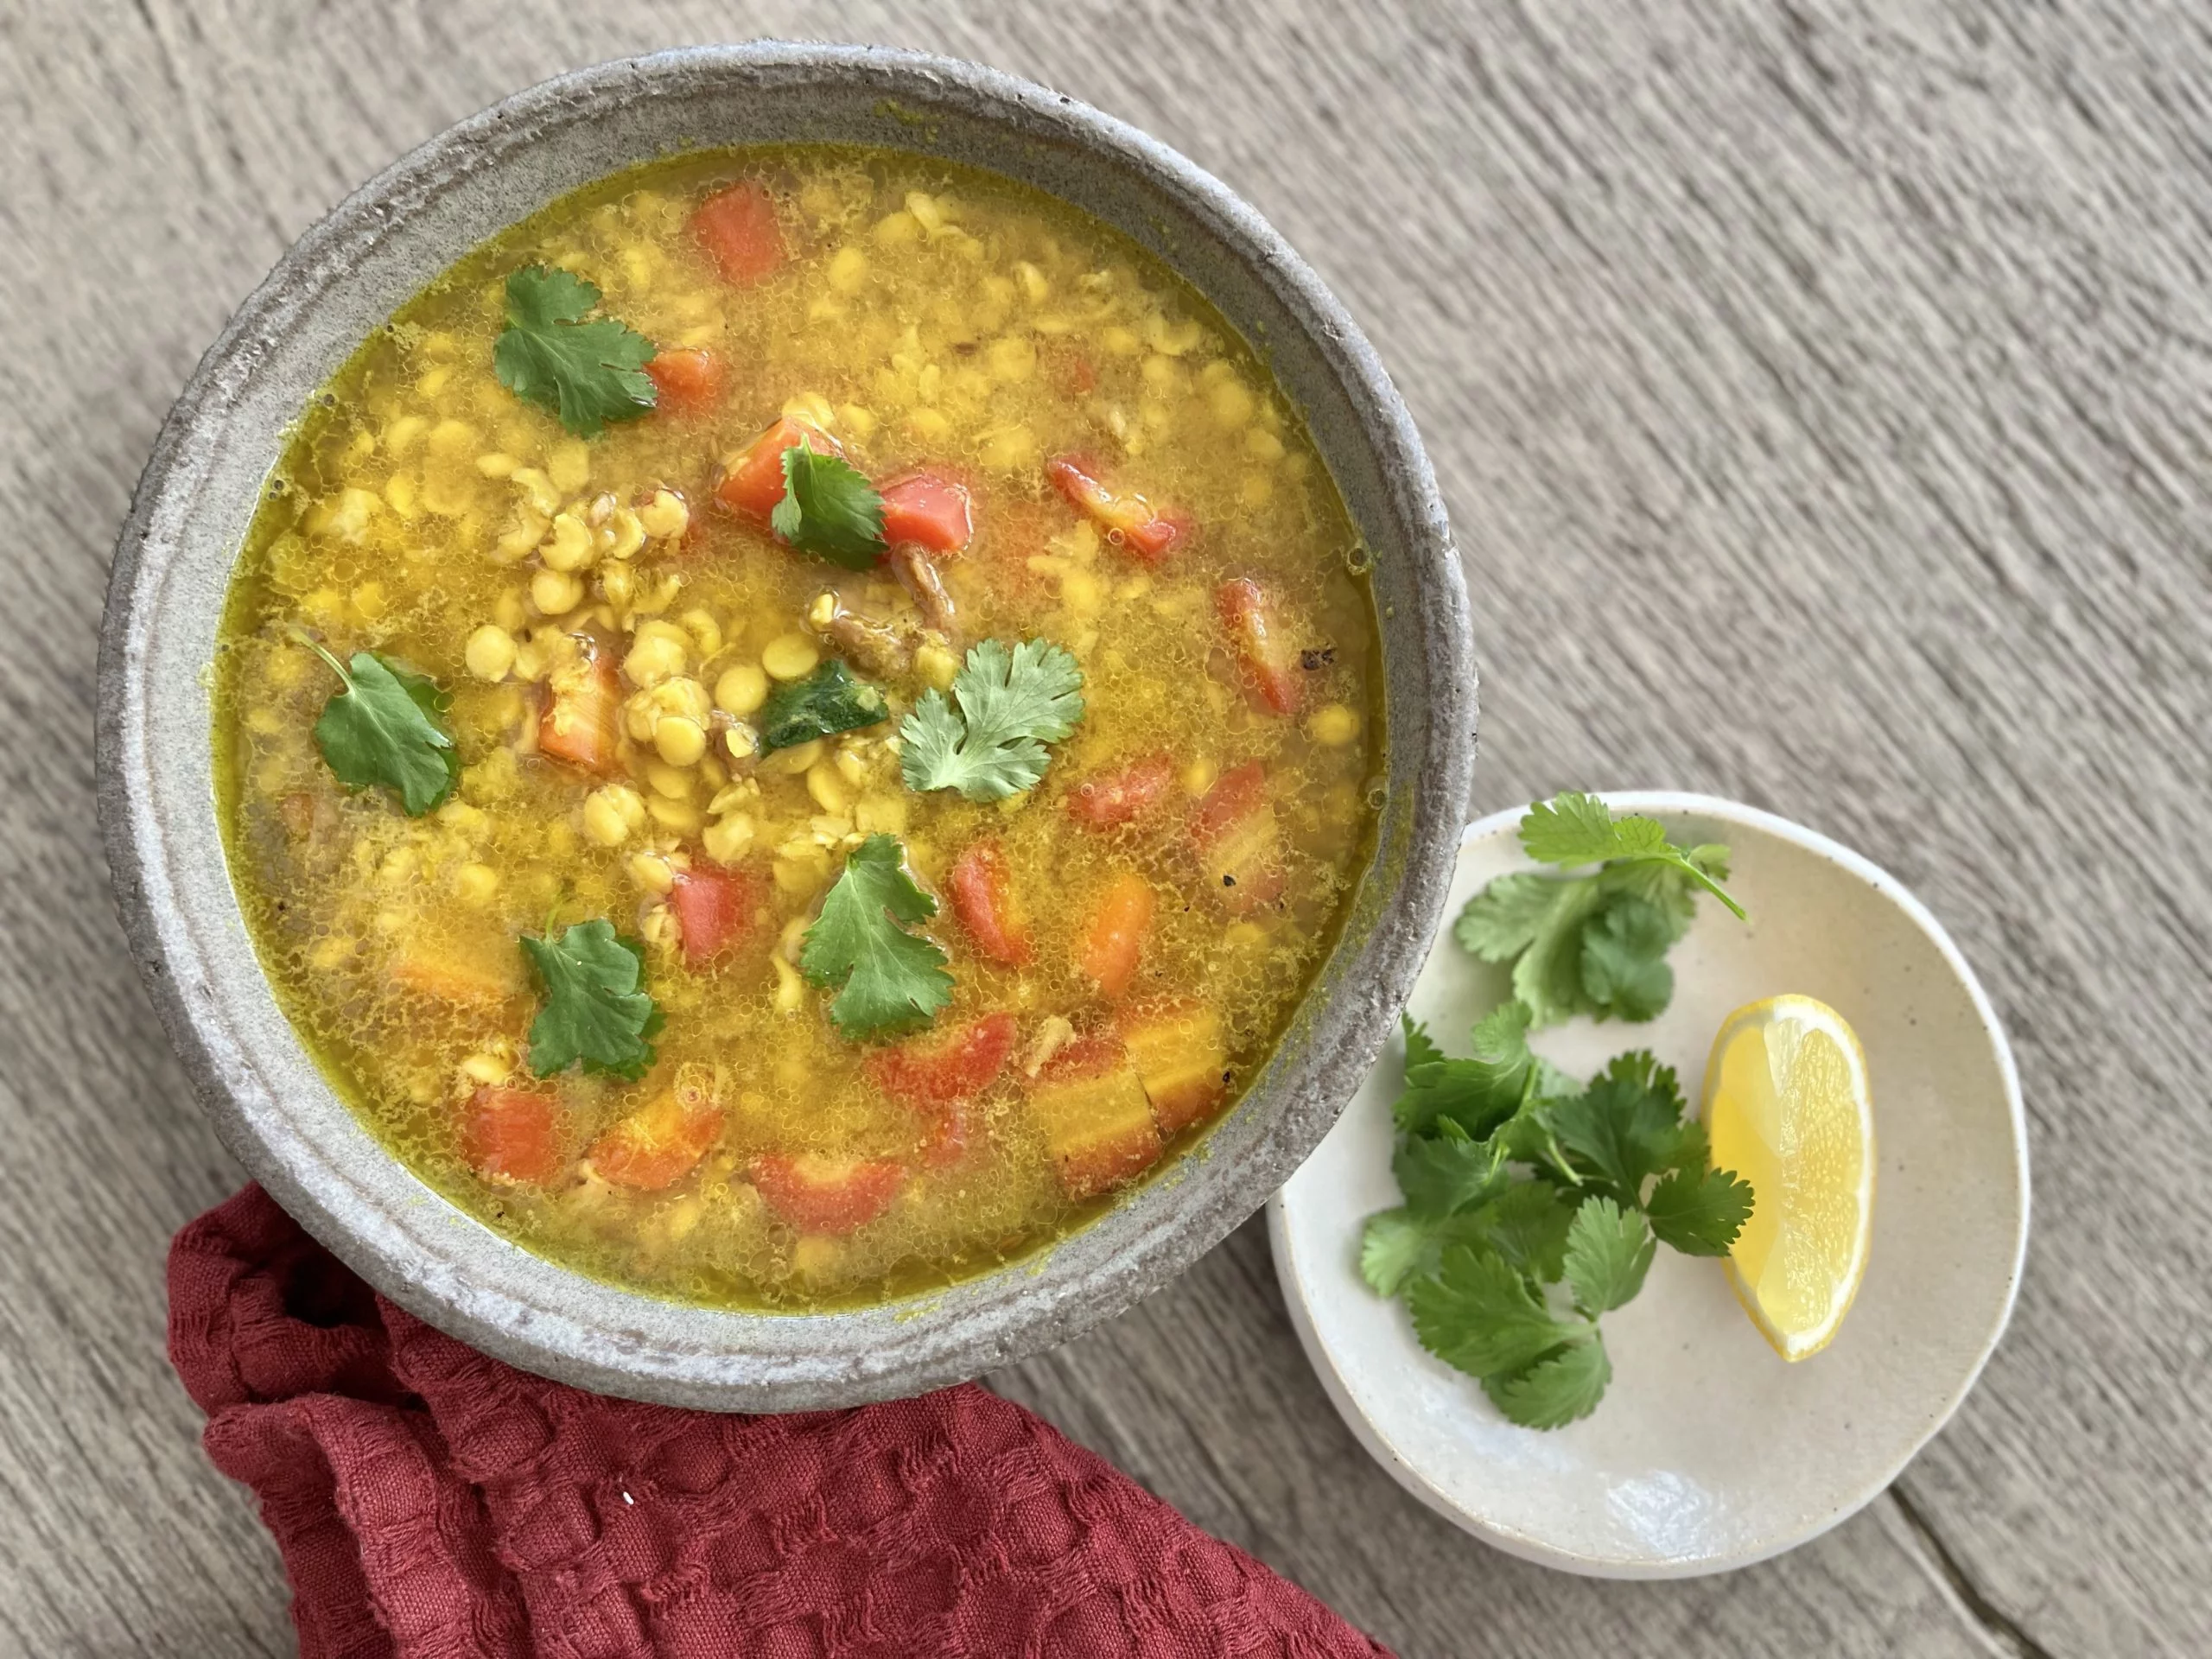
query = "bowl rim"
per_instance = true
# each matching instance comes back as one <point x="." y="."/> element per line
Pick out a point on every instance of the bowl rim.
<point x="623" y="1342"/>
<point x="1410" y="1474"/>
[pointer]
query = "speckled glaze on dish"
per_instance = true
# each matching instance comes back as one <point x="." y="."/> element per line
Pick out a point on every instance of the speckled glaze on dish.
<point x="269" y="1102"/>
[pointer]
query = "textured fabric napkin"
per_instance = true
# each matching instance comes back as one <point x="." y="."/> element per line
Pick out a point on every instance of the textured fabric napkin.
<point x="432" y="1503"/>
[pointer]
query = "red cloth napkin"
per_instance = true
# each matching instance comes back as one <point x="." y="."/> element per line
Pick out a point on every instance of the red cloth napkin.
<point x="432" y="1503"/>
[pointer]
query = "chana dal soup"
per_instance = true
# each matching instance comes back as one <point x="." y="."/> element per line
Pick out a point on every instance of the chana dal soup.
<point x="794" y="722"/>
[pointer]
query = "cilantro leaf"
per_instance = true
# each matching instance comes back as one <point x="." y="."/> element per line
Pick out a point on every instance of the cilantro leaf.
<point x="888" y="979"/>
<point x="1527" y="1224"/>
<point x="587" y="373"/>
<point x="387" y="728"/>
<point x="829" y="510"/>
<point x="1507" y="916"/>
<point x="1420" y="1047"/>
<point x="1557" y="1390"/>
<point x="1392" y="1247"/>
<point x="1479" y="1315"/>
<point x="1626" y="1126"/>
<point x="1609" y="1250"/>
<point x="1573" y="829"/>
<point x="1477" y="1093"/>
<point x="595" y="1008"/>
<point x="1548" y="976"/>
<point x="1442" y="1173"/>
<point x="825" y="702"/>
<point x="1012" y="704"/>
<point x="1701" y="1214"/>
<point x="1623" y="965"/>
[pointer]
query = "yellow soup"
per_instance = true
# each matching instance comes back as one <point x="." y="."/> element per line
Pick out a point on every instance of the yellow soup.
<point x="796" y="722"/>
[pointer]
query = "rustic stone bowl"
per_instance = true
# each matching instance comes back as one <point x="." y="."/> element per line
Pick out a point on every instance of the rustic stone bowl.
<point x="273" y="1106"/>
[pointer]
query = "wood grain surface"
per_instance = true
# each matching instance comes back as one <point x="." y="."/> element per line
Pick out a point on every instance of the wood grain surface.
<point x="1823" y="395"/>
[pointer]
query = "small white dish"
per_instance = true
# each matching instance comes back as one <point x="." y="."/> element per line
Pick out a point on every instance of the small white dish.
<point x="1709" y="1450"/>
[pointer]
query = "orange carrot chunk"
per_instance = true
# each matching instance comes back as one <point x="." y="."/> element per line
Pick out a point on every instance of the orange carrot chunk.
<point x="1181" y="1057"/>
<point x="513" y="1135"/>
<point x="1126" y="796"/>
<point x="1265" y="654"/>
<point x="688" y="383"/>
<point x="658" y="1144"/>
<point x="929" y="512"/>
<point x="1112" y="940"/>
<point x="981" y="900"/>
<point x="753" y="479"/>
<point x="578" y="724"/>
<point x="1129" y="521"/>
<point x="1239" y="845"/>
<point x="738" y="231"/>
<point x="1097" y="1125"/>
<point x="818" y="1194"/>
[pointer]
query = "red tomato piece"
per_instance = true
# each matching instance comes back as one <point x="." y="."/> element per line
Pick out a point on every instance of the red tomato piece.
<point x="1264" y="652"/>
<point x="1130" y="522"/>
<point x="713" y="910"/>
<point x="688" y="383"/>
<point x="818" y="1194"/>
<point x="937" y="1070"/>
<point x="1111" y="941"/>
<point x="932" y="513"/>
<point x="753" y="480"/>
<point x="738" y="229"/>
<point x="660" y="1142"/>
<point x="1240" y="848"/>
<point x="513" y="1135"/>
<point x="1127" y="796"/>
<point x="981" y="898"/>
<point x="578" y="723"/>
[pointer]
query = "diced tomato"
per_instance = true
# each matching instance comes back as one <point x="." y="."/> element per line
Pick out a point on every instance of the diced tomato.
<point x="738" y="229"/>
<point x="934" y="1071"/>
<point x="818" y="1194"/>
<point x="981" y="898"/>
<point x="660" y="1142"/>
<point x="1113" y="937"/>
<point x="1266" y="654"/>
<point x="1180" y="1058"/>
<point x="753" y="480"/>
<point x="1092" y="1106"/>
<point x="930" y="512"/>
<point x="1125" y="797"/>
<point x="714" y="909"/>
<point x="1130" y="522"/>
<point x="1240" y="848"/>
<point x="513" y="1135"/>
<point x="688" y="383"/>
<point x="579" y="723"/>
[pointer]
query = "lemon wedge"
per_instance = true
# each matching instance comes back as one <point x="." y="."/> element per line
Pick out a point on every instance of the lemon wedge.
<point x="1787" y="1107"/>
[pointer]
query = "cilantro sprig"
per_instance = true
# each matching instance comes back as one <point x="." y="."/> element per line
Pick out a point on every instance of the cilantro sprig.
<point x="1593" y="943"/>
<point x="588" y="372"/>
<point x="596" y="1009"/>
<point x="1533" y="1206"/>
<point x="387" y="728"/>
<point x="887" y="979"/>
<point x="829" y="510"/>
<point x="1012" y="704"/>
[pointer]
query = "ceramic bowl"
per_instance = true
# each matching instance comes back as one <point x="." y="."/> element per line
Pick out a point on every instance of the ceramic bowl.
<point x="273" y="1106"/>
<point x="1708" y="1452"/>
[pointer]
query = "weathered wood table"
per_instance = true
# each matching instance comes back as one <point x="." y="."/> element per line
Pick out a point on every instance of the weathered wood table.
<point x="1823" y="394"/>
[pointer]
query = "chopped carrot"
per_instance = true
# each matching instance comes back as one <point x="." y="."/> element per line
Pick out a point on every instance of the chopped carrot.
<point x="753" y="480"/>
<point x="688" y="383"/>
<point x="1110" y="942"/>
<point x="738" y="229"/>
<point x="930" y="512"/>
<point x="1129" y="521"/>
<point x="935" y="1071"/>
<point x="468" y="972"/>
<point x="1099" y="1126"/>
<point x="1264" y="652"/>
<point x="578" y="722"/>
<point x="981" y="900"/>
<point x="1239" y="845"/>
<point x="1181" y="1057"/>
<point x="513" y="1135"/>
<point x="1126" y="796"/>
<point x="714" y="909"/>
<point x="818" y="1194"/>
<point x="660" y="1142"/>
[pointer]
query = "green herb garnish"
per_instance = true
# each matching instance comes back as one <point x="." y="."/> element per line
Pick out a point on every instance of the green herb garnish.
<point x="829" y="510"/>
<point x="587" y="372"/>
<point x="387" y="728"/>
<point x="826" y="701"/>
<point x="888" y="979"/>
<point x="596" y="1010"/>
<point x="1594" y="943"/>
<point x="1011" y="704"/>
<point x="1533" y="1207"/>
